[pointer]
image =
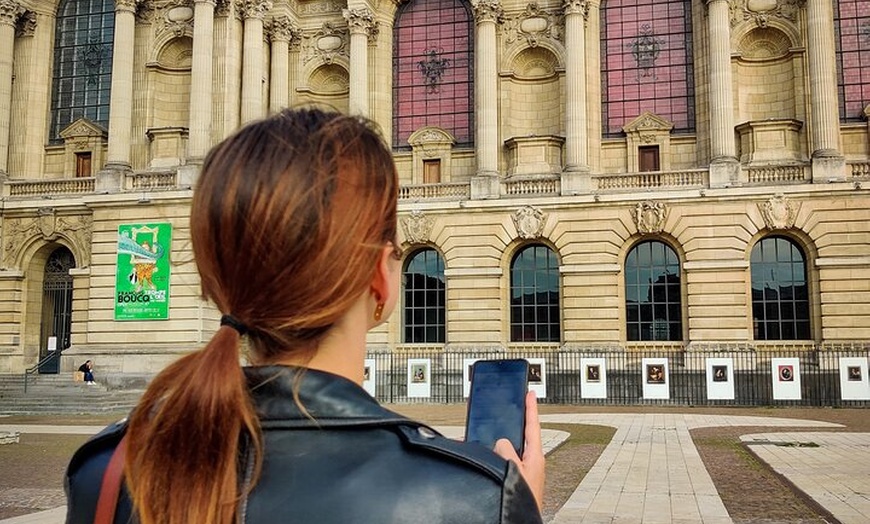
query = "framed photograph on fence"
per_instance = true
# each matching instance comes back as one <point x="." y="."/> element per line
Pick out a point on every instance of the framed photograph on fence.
<point x="419" y="378"/>
<point x="593" y="377"/>
<point x="369" y="373"/>
<point x="538" y="376"/>
<point x="786" y="376"/>
<point x="854" y="382"/>
<point x="467" y="373"/>
<point x="720" y="378"/>
<point x="655" y="378"/>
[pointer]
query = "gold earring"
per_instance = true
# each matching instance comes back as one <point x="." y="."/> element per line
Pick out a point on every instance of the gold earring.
<point x="379" y="311"/>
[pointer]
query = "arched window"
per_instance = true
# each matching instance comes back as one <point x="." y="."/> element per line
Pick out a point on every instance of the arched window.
<point x="780" y="296"/>
<point x="646" y="60"/>
<point x="424" y="315"/>
<point x="653" y="304"/>
<point x="432" y="70"/>
<point x="535" y="295"/>
<point x="852" y="22"/>
<point x="82" y="63"/>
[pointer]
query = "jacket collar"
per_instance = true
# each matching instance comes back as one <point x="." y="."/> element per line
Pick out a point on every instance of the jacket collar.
<point x="329" y="400"/>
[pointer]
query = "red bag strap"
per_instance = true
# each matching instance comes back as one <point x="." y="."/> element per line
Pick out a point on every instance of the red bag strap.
<point x="110" y="489"/>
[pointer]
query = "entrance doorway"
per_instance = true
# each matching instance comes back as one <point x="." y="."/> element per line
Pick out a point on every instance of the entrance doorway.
<point x="56" y="319"/>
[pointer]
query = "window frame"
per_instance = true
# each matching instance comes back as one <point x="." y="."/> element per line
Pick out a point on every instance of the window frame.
<point x="759" y="318"/>
<point x="440" y="306"/>
<point x="675" y="328"/>
<point x="552" y="266"/>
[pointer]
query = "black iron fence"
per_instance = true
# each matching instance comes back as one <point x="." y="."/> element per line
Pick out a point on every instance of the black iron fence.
<point x="736" y="376"/>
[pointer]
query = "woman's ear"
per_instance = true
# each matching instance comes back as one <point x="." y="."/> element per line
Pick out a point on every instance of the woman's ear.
<point x="385" y="281"/>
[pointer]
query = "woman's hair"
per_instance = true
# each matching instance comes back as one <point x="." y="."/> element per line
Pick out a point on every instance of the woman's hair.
<point x="289" y="218"/>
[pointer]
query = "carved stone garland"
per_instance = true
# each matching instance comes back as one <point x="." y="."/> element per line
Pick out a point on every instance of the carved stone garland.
<point x="778" y="212"/>
<point x="19" y="232"/>
<point x="417" y="227"/>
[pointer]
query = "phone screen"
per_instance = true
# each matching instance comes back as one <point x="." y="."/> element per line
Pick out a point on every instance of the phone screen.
<point x="497" y="403"/>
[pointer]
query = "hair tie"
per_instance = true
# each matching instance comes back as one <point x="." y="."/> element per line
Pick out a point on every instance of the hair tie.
<point x="233" y="322"/>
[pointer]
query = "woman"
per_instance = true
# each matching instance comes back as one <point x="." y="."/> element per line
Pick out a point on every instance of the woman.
<point x="293" y="224"/>
<point x="87" y="370"/>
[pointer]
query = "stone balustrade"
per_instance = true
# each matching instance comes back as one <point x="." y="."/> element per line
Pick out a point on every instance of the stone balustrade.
<point x="455" y="191"/>
<point x="859" y="169"/>
<point x="531" y="186"/>
<point x="653" y="179"/>
<point x="777" y="174"/>
<point x="152" y="181"/>
<point x="59" y="186"/>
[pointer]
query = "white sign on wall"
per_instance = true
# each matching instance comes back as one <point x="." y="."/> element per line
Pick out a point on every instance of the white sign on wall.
<point x="593" y="378"/>
<point x="369" y="374"/>
<point x="786" y="376"/>
<point x="419" y="378"/>
<point x="720" y="378"/>
<point x="854" y="382"/>
<point x="654" y="373"/>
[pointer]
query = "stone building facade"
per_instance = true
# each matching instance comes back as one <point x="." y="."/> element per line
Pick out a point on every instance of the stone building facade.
<point x="670" y="173"/>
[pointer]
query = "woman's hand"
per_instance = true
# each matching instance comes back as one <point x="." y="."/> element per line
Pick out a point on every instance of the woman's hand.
<point x="532" y="464"/>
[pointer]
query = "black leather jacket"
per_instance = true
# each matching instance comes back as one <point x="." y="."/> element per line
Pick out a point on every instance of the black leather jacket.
<point x="355" y="462"/>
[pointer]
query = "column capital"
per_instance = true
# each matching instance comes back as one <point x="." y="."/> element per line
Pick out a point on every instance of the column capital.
<point x="361" y="21"/>
<point x="126" y="5"/>
<point x="282" y="29"/>
<point x="487" y="11"/>
<point x="255" y="8"/>
<point x="26" y="25"/>
<point x="10" y="10"/>
<point x="576" y="7"/>
<point x="212" y="2"/>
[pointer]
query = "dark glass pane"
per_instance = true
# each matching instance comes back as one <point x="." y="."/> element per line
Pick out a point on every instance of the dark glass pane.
<point x="534" y="294"/>
<point x="779" y="291"/>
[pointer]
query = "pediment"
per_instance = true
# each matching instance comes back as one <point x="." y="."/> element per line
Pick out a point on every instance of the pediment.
<point x="647" y="122"/>
<point x="431" y="135"/>
<point x="83" y="128"/>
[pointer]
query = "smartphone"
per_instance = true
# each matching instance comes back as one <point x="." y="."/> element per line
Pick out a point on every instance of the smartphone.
<point x="497" y="403"/>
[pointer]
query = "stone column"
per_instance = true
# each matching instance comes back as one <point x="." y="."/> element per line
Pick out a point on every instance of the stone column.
<point x="9" y="12"/>
<point x="253" y="11"/>
<point x="487" y="14"/>
<point x="283" y="32"/>
<point x="121" y="101"/>
<point x="724" y="168"/>
<point x="828" y="161"/>
<point x="576" y="12"/>
<point x="362" y="26"/>
<point x="201" y="80"/>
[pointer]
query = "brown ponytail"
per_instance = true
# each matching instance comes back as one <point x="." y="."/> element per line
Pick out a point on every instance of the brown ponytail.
<point x="184" y="438"/>
<point x="288" y="219"/>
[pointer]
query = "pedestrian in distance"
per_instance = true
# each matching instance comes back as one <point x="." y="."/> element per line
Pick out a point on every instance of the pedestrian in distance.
<point x="294" y="230"/>
<point x="88" y="370"/>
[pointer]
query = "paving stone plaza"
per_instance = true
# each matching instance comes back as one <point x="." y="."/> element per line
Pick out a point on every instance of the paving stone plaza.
<point x="651" y="471"/>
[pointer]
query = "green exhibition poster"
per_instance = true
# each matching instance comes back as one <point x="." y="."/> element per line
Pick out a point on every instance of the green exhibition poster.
<point x="142" y="277"/>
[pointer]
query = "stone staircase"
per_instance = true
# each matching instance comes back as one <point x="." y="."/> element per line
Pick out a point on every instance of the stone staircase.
<point x="59" y="394"/>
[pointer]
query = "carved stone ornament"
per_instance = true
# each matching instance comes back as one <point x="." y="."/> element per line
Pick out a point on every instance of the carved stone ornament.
<point x="26" y="25"/>
<point x="10" y="10"/>
<point x="488" y="11"/>
<point x="77" y="230"/>
<point x="282" y="29"/>
<point x="761" y="11"/>
<point x="255" y="8"/>
<point x="534" y="24"/>
<point x="361" y="21"/>
<point x="175" y="17"/>
<point x="650" y="216"/>
<point x="529" y="222"/>
<point x="326" y="44"/>
<point x="319" y="8"/>
<point x="417" y="227"/>
<point x="576" y="7"/>
<point x="779" y="212"/>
